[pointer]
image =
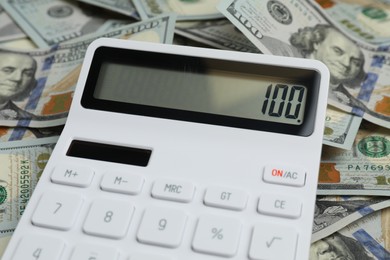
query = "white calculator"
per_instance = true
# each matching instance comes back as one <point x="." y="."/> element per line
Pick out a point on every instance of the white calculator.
<point x="181" y="153"/>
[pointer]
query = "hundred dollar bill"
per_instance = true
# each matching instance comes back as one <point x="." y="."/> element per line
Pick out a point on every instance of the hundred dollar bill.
<point x="121" y="6"/>
<point x="340" y="128"/>
<point x="218" y="33"/>
<point x="10" y="134"/>
<point x="295" y="28"/>
<point x="21" y="44"/>
<point x="365" y="239"/>
<point x="21" y="165"/>
<point x="111" y="24"/>
<point x="269" y="24"/>
<point x="363" y="170"/>
<point x="366" y="21"/>
<point x="333" y="214"/>
<point x="9" y="30"/>
<point x="49" y="22"/>
<point x="49" y="90"/>
<point x="185" y="10"/>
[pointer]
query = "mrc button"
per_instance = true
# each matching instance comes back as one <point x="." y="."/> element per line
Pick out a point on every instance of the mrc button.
<point x="284" y="175"/>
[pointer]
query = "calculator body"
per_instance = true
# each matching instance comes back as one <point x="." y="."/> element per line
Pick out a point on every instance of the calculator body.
<point x="150" y="182"/>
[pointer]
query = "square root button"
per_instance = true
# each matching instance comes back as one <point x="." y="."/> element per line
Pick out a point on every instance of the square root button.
<point x="273" y="242"/>
<point x="284" y="175"/>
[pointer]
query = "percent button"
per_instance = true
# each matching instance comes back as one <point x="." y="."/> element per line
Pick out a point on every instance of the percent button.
<point x="217" y="235"/>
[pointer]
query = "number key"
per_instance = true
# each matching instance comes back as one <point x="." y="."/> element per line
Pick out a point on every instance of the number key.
<point x="108" y="218"/>
<point x="162" y="227"/>
<point x="57" y="209"/>
<point x="38" y="247"/>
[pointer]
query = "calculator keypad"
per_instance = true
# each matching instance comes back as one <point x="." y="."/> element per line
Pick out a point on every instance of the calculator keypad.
<point x="160" y="226"/>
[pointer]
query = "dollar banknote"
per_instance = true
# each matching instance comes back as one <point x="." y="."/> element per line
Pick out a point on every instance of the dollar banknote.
<point x="218" y="33"/>
<point x="11" y="134"/>
<point x="49" y="22"/>
<point x="185" y="10"/>
<point x="363" y="170"/>
<point x="21" y="165"/>
<point x="366" y="21"/>
<point x="121" y="6"/>
<point x="340" y="128"/>
<point x="334" y="214"/>
<point x="111" y="24"/>
<point x="56" y="72"/>
<point x="367" y="238"/>
<point x="297" y="29"/>
<point x="9" y="30"/>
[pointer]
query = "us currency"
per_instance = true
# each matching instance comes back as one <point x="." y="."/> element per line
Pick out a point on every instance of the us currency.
<point x="19" y="44"/>
<point x="121" y="6"/>
<point x="295" y="28"/>
<point x="366" y="21"/>
<point x="340" y="128"/>
<point x="10" y="134"/>
<point x="9" y="30"/>
<point x="185" y="10"/>
<point x="58" y="69"/>
<point x="21" y="165"/>
<point x="363" y="170"/>
<point x="49" y="22"/>
<point x="218" y="33"/>
<point x="334" y="214"/>
<point x="111" y="24"/>
<point x="159" y="29"/>
<point x="365" y="239"/>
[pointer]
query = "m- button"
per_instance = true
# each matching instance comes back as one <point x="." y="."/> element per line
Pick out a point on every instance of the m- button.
<point x="284" y="175"/>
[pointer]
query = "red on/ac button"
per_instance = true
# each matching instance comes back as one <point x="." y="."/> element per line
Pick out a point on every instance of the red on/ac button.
<point x="284" y="175"/>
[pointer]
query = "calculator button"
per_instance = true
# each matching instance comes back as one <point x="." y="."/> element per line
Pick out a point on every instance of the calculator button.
<point x="74" y="175"/>
<point x="58" y="210"/>
<point x="271" y="241"/>
<point x="173" y="190"/>
<point x="227" y="198"/>
<point x="217" y="235"/>
<point x="108" y="218"/>
<point x="162" y="227"/>
<point x="149" y="257"/>
<point x="282" y="206"/>
<point x="122" y="182"/>
<point x="94" y="252"/>
<point x="284" y="175"/>
<point x="33" y="247"/>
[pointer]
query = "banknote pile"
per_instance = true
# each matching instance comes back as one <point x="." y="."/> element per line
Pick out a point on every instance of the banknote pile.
<point x="48" y="40"/>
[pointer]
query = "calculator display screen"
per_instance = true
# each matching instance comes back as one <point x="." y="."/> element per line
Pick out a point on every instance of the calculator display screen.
<point x="203" y="89"/>
<point x="210" y="90"/>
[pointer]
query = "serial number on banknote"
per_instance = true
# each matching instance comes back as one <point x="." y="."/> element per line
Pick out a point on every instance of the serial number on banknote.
<point x="368" y="167"/>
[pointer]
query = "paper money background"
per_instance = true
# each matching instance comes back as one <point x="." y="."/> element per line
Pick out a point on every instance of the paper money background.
<point x="48" y="38"/>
